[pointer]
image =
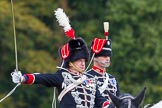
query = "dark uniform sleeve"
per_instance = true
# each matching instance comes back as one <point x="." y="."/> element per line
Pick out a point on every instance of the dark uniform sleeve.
<point x="49" y="80"/>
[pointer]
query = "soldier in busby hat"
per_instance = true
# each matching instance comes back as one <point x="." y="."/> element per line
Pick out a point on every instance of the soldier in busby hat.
<point x="76" y="90"/>
<point x="101" y="51"/>
<point x="74" y="50"/>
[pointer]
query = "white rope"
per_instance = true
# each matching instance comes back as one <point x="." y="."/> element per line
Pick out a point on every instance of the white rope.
<point x="14" y="35"/>
<point x="54" y="98"/>
<point x="10" y="92"/>
<point x="131" y="97"/>
<point x="90" y="62"/>
<point x="71" y="86"/>
<point x="129" y="103"/>
<point x="147" y="106"/>
<point x="15" y="54"/>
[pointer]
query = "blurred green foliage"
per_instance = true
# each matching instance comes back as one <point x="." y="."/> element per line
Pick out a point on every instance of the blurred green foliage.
<point x="135" y="29"/>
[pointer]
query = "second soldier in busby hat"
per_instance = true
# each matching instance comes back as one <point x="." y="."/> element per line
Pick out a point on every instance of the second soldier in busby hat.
<point x="101" y="51"/>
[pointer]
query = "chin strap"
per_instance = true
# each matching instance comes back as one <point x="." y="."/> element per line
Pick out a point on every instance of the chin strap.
<point x="76" y="68"/>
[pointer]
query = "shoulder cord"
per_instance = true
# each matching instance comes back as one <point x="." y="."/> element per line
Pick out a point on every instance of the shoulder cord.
<point x="71" y="86"/>
<point x="15" y="55"/>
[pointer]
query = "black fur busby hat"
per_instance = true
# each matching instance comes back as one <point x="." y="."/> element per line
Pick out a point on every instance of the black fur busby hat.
<point x="75" y="49"/>
<point x="104" y="48"/>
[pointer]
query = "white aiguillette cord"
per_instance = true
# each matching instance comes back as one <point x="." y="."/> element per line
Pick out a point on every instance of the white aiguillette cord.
<point x="15" y="55"/>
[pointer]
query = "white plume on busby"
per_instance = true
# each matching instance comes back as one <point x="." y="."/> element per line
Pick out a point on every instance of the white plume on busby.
<point x="106" y="29"/>
<point x="105" y="48"/>
<point x="64" y="22"/>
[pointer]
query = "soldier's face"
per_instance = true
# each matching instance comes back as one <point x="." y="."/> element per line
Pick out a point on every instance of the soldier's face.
<point x="103" y="61"/>
<point x="80" y="64"/>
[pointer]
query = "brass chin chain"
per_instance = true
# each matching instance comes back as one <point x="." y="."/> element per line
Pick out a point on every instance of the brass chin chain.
<point x="76" y="68"/>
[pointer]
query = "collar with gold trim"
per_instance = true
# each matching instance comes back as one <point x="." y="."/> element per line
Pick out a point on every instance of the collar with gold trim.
<point x="99" y="70"/>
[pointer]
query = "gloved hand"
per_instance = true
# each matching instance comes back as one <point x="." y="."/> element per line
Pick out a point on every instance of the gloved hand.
<point x="17" y="77"/>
